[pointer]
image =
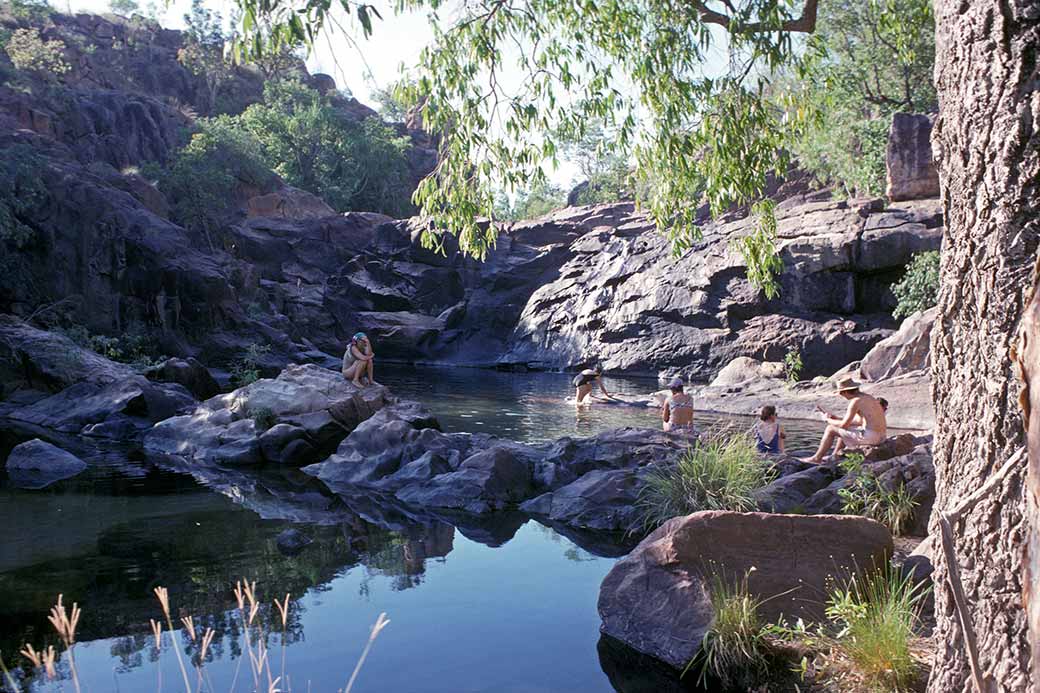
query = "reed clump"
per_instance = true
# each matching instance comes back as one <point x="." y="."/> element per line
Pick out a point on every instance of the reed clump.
<point x="193" y="675"/>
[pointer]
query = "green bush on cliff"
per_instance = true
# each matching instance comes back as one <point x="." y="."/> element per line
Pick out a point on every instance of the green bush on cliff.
<point x="21" y="191"/>
<point x="28" y="51"/>
<point x="718" y="472"/>
<point x="32" y="10"/>
<point x="919" y="288"/>
<point x="206" y="174"/>
<point x="359" y="166"/>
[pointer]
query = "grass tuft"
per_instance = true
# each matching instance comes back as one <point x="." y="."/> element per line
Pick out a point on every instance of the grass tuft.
<point x="866" y="495"/>
<point x="878" y="614"/>
<point x="718" y="472"/>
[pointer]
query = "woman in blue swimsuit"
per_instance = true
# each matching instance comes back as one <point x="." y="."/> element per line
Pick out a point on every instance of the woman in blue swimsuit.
<point x="769" y="434"/>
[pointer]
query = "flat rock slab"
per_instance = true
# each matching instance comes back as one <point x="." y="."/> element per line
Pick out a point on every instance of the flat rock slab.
<point x="296" y="418"/>
<point x="656" y="600"/>
<point x="36" y="464"/>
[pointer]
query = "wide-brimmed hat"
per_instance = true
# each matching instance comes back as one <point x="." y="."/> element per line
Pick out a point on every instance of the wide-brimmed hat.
<point x="846" y="384"/>
<point x="675" y="383"/>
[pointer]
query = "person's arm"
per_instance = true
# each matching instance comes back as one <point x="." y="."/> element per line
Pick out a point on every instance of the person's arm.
<point x="602" y="388"/>
<point x="666" y="413"/>
<point x="358" y="354"/>
<point x="783" y="436"/>
<point x="850" y="415"/>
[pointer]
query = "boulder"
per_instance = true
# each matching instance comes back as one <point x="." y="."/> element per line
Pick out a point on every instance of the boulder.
<point x="116" y="409"/>
<point x="50" y="359"/>
<point x="36" y="464"/>
<point x="909" y="164"/>
<point x="743" y="369"/>
<point x="905" y="351"/>
<point x="292" y="541"/>
<point x="791" y="493"/>
<point x="602" y="499"/>
<point x="657" y="599"/>
<point x="288" y="203"/>
<point x="189" y="373"/>
<point x="304" y="403"/>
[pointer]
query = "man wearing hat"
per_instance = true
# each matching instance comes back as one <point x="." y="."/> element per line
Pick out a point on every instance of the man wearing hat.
<point x="359" y="360"/>
<point x="864" y="410"/>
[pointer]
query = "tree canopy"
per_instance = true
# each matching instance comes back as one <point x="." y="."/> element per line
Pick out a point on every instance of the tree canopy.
<point x="689" y="89"/>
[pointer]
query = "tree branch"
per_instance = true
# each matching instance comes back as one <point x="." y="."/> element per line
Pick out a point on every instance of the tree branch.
<point x="805" y="24"/>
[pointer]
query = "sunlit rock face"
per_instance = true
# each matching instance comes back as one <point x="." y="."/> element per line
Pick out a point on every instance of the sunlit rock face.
<point x="294" y="419"/>
<point x="625" y="301"/>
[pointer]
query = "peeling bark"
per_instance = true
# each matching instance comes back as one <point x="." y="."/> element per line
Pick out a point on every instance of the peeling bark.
<point x="1029" y="366"/>
<point x="987" y="139"/>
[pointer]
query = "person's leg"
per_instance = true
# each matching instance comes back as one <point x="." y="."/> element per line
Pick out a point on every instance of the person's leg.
<point x="354" y="373"/>
<point x="580" y="393"/>
<point x="371" y="372"/>
<point x="828" y="439"/>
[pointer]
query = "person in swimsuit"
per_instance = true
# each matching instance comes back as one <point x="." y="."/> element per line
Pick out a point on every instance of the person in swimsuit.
<point x="677" y="414"/>
<point x="583" y="385"/>
<point x="769" y="434"/>
<point x="359" y="360"/>
<point x="872" y="431"/>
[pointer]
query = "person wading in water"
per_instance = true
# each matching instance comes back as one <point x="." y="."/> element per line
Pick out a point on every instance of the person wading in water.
<point x="677" y="414"/>
<point x="583" y="385"/>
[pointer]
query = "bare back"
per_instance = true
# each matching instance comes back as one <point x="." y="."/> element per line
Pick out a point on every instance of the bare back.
<point x="870" y="410"/>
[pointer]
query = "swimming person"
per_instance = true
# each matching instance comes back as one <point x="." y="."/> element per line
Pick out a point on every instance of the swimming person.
<point x="583" y="384"/>
<point x="872" y="431"/>
<point x="769" y="434"/>
<point x="359" y="360"/>
<point x="677" y="413"/>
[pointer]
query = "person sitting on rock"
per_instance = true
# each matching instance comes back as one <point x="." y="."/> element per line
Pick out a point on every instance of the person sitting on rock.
<point x="583" y="385"/>
<point x="677" y="413"/>
<point x="359" y="360"/>
<point x="872" y="431"/>
<point x="858" y="422"/>
<point x="769" y="434"/>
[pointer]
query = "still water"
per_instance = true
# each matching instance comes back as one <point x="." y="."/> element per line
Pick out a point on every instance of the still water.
<point x="507" y="606"/>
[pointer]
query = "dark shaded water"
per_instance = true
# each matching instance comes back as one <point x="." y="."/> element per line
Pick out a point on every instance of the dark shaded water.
<point x="506" y="607"/>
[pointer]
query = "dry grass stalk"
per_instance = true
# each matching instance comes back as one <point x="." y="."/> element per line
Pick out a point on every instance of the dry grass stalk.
<point x="163" y="595"/>
<point x="157" y="632"/>
<point x="283" y="610"/>
<point x="189" y="625"/>
<point x="381" y="623"/>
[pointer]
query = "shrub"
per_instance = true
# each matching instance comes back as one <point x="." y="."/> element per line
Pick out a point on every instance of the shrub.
<point x="867" y="496"/>
<point x="353" y="166"/>
<point x="135" y="346"/>
<point x="263" y="419"/>
<point x="205" y="174"/>
<point x="719" y="472"/>
<point x="878" y="614"/>
<point x="735" y="651"/>
<point x="793" y="365"/>
<point x="535" y="201"/>
<point x="21" y="191"/>
<point x="919" y="288"/>
<point x="28" y="51"/>
<point x="32" y="10"/>
<point x="247" y="369"/>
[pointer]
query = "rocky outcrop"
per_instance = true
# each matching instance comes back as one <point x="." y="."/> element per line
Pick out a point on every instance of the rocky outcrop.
<point x="585" y="483"/>
<point x="36" y="464"/>
<point x="910" y="166"/>
<point x="814" y="490"/>
<point x="288" y="203"/>
<point x="625" y="301"/>
<point x="657" y="599"/>
<point x="905" y="351"/>
<point x="294" y="419"/>
<point x="744" y="369"/>
<point x="195" y="377"/>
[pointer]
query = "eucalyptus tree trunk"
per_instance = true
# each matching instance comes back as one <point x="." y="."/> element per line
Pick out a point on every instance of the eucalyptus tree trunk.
<point x="987" y="140"/>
